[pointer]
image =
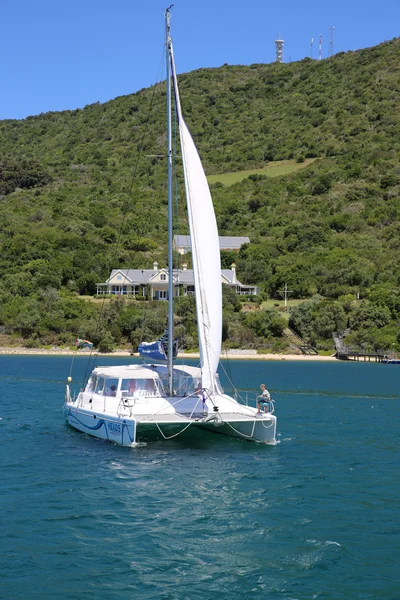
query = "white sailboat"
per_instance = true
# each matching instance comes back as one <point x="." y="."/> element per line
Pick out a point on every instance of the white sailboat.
<point x="133" y="403"/>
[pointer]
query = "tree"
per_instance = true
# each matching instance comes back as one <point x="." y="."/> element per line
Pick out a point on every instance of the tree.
<point x="107" y="342"/>
<point x="300" y="319"/>
<point x="369" y="315"/>
<point x="230" y="299"/>
<point x="265" y="323"/>
<point x="329" y="317"/>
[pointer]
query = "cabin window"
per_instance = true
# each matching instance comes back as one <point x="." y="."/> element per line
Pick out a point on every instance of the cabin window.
<point x="139" y="387"/>
<point x="111" y="387"/>
<point x="100" y="385"/>
<point x="184" y="385"/>
<point x="91" y="384"/>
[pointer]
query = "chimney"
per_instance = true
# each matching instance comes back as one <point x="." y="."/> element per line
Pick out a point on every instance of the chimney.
<point x="184" y="267"/>
<point x="233" y="267"/>
<point x="155" y="266"/>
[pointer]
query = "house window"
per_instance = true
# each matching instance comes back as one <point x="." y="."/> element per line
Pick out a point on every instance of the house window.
<point x="162" y="295"/>
<point x="119" y="277"/>
<point x="163" y="277"/>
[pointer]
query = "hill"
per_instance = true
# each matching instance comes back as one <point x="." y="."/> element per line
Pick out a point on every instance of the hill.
<point x="83" y="191"/>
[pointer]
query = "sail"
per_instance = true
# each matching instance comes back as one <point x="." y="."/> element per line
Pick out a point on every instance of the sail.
<point x="205" y="251"/>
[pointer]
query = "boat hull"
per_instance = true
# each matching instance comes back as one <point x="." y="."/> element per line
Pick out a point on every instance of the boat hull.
<point x="261" y="430"/>
<point x="128" y="431"/>
<point x="120" y="430"/>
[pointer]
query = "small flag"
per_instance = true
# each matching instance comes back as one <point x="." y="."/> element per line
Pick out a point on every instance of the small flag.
<point x="83" y="344"/>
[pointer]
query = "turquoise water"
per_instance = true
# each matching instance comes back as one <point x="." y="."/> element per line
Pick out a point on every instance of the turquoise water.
<point x="316" y="516"/>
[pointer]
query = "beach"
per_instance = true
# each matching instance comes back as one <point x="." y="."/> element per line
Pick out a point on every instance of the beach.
<point x="227" y="355"/>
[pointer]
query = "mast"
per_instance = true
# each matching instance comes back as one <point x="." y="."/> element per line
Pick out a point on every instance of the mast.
<point x="170" y="207"/>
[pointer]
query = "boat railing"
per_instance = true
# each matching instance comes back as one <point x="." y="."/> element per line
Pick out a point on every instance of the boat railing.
<point x="248" y="398"/>
<point x="243" y="396"/>
<point x="69" y="398"/>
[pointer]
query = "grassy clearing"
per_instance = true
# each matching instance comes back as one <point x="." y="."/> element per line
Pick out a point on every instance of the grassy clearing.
<point x="273" y="169"/>
<point x="280" y="305"/>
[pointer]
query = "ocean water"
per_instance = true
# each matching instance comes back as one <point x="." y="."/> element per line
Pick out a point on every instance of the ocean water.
<point x="316" y="516"/>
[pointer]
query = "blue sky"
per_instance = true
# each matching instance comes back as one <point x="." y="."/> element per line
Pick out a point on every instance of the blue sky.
<point x="63" y="55"/>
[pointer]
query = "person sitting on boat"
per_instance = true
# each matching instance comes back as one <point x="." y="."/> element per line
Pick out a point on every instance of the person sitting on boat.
<point x="264" y="399"/>
<point x="132" y="387"/>
<point x="112" y="391"/>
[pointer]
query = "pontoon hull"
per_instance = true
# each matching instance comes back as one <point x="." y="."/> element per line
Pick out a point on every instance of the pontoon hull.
<point x="120" y="430"/>
<point x="127" y="431"/>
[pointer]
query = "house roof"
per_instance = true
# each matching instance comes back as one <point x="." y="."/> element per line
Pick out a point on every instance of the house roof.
<point x="144" y="276"/>
<point x="226" y="242"/>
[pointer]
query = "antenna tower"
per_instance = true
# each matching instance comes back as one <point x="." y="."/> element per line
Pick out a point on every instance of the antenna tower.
<point x="320" y="47"/>
<point x="312" y="43"/>
<point x="279" y="49"/>
<point x="331" y="40"/>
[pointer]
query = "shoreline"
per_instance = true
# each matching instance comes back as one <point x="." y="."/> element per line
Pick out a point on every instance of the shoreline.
<point x="233" y="355"/>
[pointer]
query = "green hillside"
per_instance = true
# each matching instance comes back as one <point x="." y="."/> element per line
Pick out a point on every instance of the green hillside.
<point x="84" y="191"/>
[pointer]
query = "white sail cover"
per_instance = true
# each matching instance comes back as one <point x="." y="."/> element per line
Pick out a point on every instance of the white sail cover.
<point x="205" y="251"/>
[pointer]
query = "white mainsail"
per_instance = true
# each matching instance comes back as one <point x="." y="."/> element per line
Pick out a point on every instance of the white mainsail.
<point x="205" y="250"/>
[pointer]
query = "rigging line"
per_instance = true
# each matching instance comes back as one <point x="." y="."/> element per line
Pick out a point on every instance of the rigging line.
<point x="182" y="430"/>
<point x="175" y="434"/>
<point x="228" y="364"/>
<point x="228" y="376"/>
<point x="125" y="212"/>
<point x="239" y="432"/>
<point x="72" y="363"/>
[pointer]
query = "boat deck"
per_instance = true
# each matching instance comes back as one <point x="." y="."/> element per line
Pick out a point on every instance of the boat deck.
<point x="198" y="417"/>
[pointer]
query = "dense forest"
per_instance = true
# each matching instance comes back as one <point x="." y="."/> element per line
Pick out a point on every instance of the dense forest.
<point x="84" y="191"/>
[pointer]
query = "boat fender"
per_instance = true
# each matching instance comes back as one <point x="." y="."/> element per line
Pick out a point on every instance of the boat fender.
<point x="69" y="379"/>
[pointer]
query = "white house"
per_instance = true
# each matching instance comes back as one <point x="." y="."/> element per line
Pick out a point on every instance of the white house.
<point x="153" y="283"/>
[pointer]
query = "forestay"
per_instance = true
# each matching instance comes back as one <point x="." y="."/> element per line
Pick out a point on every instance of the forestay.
<point x="205" y="250"/>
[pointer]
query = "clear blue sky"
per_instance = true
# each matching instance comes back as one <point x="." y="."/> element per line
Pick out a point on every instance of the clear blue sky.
<point x="58" y="55"/>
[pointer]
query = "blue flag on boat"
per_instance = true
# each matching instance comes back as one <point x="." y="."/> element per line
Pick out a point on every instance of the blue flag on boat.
<point x="158" y="350"/>
<point x="83" y="344"/>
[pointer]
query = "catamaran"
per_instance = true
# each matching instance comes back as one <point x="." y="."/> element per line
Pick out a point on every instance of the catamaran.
<point x="137" y="402"/>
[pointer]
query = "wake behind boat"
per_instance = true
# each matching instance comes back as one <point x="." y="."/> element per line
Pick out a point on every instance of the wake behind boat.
<point x="128" y="404"/>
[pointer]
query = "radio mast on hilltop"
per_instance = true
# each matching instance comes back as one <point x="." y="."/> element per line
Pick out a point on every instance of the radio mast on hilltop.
<point x="331" y="40"/>
<point x="279" y="49"/>
<point x="320" y="47"/>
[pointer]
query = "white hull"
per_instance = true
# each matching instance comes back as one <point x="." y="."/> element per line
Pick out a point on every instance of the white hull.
<point x="104" y="426"/>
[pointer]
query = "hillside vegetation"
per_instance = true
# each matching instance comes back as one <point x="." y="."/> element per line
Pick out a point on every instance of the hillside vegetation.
<point x="84" y="191"/>
<point x="273" y="169"/>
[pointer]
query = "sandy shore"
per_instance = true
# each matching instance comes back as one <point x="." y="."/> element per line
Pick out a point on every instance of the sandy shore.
<point x="231" y="355"/>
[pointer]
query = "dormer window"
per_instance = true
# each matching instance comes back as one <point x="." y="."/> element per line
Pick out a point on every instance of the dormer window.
<point x="163" y="277"/>
<point x="119" y="276"/>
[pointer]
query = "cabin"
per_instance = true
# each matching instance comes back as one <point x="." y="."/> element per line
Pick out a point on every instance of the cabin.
<point x="152" y="284"/>
<point x="182" y="243"/>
